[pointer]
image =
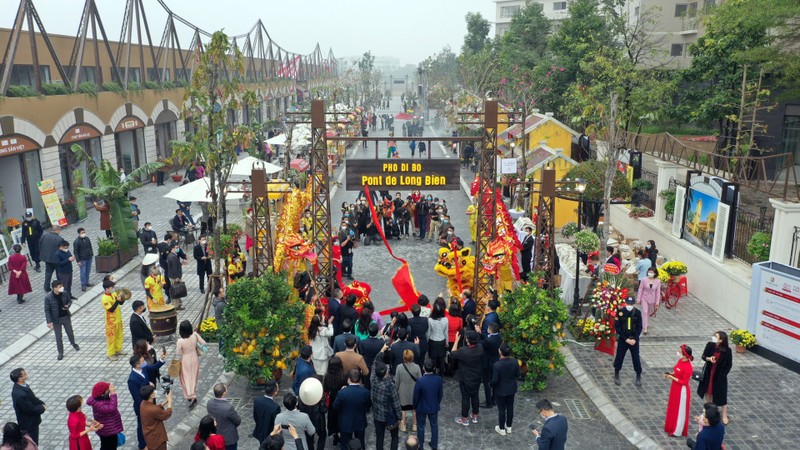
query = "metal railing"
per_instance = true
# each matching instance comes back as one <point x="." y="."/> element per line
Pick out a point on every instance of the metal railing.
<point x="771" y="174"/>
<point x="747" y="224"/>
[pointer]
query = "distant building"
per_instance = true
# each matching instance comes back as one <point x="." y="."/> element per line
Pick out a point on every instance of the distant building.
<point x="555" y="10"/>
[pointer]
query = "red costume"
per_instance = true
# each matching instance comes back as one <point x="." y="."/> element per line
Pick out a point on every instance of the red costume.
<point x="18" y="284"/>
<point x="677" y="421"/>
<point x="214" y="442"/>
<point x="76" y="423"/>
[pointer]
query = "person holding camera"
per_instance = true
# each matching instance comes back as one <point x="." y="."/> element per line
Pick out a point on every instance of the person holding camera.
<point x="346" y="242"/>
<point x="300" y="421"/>
<point x="153" y="417"/>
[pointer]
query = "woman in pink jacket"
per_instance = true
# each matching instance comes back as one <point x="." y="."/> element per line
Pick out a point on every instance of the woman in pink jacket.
<point x="649" y="295"/>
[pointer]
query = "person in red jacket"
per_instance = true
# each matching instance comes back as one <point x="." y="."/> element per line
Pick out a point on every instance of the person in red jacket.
<point x="76" y="423"/>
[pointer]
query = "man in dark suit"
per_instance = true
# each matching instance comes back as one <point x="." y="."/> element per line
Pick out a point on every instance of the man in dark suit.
<point x="371" y="346"/>
<point x="31" y="233"/>
<point x="227" y="418"/>
<point x="491" y="354"/>
<point x="504" y="382"/>
<point x="148" y="239"/>
<point x="351" y="405"/>
<point x="203" y="262"/>
<point x="490" y="317"/>
<point x="27" y="406"/>
<point x="629" y="327"/>
<point x="304" y="368"/>
<point x="469" y="304"/>
<point x="526" y="253"/>
<point x="48" y="245"/>
<point x="137" y="379"/>
<point x="348" y="310"/>
<point x="398" y="347"/>
<point x="334" y="305"/>
<point x="338" y="341"/>
<point x="264" y="411"/>
<point x="554" y="431"/>
<point x="175" y="270"/>
<point x="419" y="329"/>
<point x="428" y="394"/>
<point x="138" y="326"/>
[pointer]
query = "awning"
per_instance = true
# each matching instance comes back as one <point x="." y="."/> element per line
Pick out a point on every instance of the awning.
<point x="300" y="165"/>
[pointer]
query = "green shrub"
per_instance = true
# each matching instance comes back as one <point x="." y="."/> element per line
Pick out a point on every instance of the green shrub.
<point x="669" y="201"/>
<point x="586" y="241"/>
<point x="168" y="85"/>
<point x="594" y="174"/>
<point x="641" y="185"/>
<point x="106" y="247"/>
<point x="534" y="318"/>
<point x="134" y="86"/>
<point x="55" y="89"/>
<point x="88" y="87"/>
<point x="21" y="91"/>
<point x="112" y="86"/>
<point x="152" y="85"/>
<point x="759" y="245"/>
<point x="263" y="328"/>
<point x="569" y="230"/>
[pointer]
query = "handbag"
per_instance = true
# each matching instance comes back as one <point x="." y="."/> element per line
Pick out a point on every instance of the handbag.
<point x="177" y="290"/>
<point x="174" y="369"/>
<point x="121" y="439"/>
<point x="409" y="373"/>
<point x="201" y="349"/>
<point x="700" y="376"/>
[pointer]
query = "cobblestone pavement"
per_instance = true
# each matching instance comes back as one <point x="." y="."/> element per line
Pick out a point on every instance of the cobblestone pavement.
<point x="760" y="415"/>
<point x="372" y="264"/>
<point x="29" y="344"/>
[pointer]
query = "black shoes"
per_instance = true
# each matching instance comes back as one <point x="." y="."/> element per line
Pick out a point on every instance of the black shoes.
<point x="487" y="405"/>
<point x="60" y="357"/>
<point x="616" y="379"/>
<point x="638" y="379"/>
<point x="76" y="347"/>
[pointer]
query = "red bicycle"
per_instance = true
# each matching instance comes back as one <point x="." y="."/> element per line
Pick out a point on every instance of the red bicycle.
<point x="670" y="294"/>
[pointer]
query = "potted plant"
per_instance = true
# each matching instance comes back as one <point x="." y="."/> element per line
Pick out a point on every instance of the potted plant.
<point x="70" y="210"/>
<point x="12" y="224"/>
<point x="586" y="241"/>
<point x="669" y="201"/>
<point x="670" y="270"/>
<point x="107" y="259"/>
<point x="127" y="255"/>
<point x="759" y="244"/>
<point x="263" y="325"/>
<point x="638" y="212"/>
<point x="209" y="330"/>
<point x="569" y="230"/>
<point x="743" y="340"/>
<point x="538" y="315"/>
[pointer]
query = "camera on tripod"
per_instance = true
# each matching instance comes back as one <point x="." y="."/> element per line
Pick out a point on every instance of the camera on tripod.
<point x="166" y="384"/>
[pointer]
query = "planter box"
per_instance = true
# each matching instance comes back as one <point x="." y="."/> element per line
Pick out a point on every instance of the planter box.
<point x="177" y="178"/>
<point x="107" y="264"/>
<point x="124" y="256"/>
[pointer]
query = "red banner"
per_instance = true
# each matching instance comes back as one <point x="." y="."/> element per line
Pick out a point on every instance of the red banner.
<point x="402" y="281"/>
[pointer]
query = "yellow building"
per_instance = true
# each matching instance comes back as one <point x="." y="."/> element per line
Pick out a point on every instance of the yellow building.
<point x="542" y="157"/>
<point x="538" y="127"/>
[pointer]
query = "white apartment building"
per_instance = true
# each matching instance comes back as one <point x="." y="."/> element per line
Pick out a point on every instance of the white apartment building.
<point x="555" y="10"/>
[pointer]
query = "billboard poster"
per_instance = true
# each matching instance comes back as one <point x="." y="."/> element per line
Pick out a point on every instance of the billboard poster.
<point x="52" y="204"/>
<point x="775" y="308"/>
<point x="702" y="199"/>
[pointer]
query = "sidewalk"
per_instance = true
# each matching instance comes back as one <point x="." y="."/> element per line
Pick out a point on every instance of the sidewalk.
<point x="762" y="395"/>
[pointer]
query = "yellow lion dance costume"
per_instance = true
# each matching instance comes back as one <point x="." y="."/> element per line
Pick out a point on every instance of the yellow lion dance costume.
<point x="498" y="262"/>
<point x="446" y="267"/>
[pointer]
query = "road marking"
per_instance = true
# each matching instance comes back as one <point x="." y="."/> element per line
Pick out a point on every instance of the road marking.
<point x="441" y="146"/>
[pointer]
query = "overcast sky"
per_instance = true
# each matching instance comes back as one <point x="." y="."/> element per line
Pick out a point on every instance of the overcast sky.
<point x="409" y="29"/>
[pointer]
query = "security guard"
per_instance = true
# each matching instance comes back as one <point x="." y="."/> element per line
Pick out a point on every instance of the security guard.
<point x="629" y="327"/>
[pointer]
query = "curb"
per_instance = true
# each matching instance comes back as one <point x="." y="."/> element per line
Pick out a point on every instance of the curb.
<point x="601" y="401"/>
<point x="28" y="339"/>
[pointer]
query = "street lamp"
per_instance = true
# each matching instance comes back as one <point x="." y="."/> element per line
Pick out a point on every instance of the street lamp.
<point x="580" y="187"/>
<point x="513" y="145"/>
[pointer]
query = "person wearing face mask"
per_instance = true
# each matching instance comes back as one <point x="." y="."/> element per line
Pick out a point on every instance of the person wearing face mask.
<point x="642" y="266"/>
<point x="435" y="222"/>
<point x="148" y="239"/>
<point x="423" y="209"/>
<point x="649" y="294"/>
<point x="628" y="327"/>
<point x="84" y="254"/>
<point x="203" y="261"/>
<point x="677" y="420"/>
<point x="652" y="252"/>
<point x="56" y="311"/>
<point x="718" y="360"/>
<point x="346" y="238"/>
<point x="527" y="253"/>
<point x="554" y="431"/>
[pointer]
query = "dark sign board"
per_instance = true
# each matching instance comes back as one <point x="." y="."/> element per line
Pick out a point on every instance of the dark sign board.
<point x="403" y="174"/>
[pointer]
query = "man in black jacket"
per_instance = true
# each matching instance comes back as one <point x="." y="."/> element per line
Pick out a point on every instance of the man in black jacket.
<point x="527" y="253"/>
<point x="419" y="330"/>
<point x="48" y="245"/>
<point x="27" y="406"/>
<point x="148" y="238"/>
<point x="56" y="311"/>
<point x="470" y="374"/>
<point x="491" y="348"/>
<point x="138" y="326"/>
<point x="370" y="347"/>
<point x="264" y="411"/>
<point x="203" y="262"/>
<point x="83" y="255"/>
<point x="629" y="327"/>
<point x="31" y="233"/>
<point x="348" y="310"/>
<point x="504" y="382"/>
<point x="175" y="270"/>
<point x="399" y="346"/>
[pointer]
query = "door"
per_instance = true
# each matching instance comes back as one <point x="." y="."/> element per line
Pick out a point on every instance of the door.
<point x="12" y="185"/>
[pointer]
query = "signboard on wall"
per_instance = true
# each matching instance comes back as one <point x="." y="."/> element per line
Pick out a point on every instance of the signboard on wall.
<point x="403" y="174"/>
<point x="10" y="145"/>
<point x="79" y="133"/>
<point x="774" y="314"/>
<point x="129" y="123"/>
<point x="51" y="202"/>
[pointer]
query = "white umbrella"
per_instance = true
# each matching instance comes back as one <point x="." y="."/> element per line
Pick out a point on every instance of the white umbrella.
<point x="246" y="165"/>
<point x="198" y="191"/>
<point x="277" y="140"/>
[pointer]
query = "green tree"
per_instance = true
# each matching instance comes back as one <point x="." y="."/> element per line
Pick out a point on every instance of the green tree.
<point x="477" y="37"/>
<point x="215" y="88"/>
<point x="525" y="42"/>
<point x="366" y="66"/>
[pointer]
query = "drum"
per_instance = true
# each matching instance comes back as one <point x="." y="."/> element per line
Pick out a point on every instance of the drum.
<point x="164" y="320"/>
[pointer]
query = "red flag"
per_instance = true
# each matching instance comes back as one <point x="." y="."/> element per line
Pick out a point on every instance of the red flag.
<point x="402" y="281"/>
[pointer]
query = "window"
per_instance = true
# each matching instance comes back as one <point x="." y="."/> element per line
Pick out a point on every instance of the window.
<point x="791" y="136"/>
<point x="163" y="75"/>
<point x="509" y="11"/>
<point x="24" y="75"/>
<point x="710" y="3"/>
<point x="692" y="11"/>
<point x="182" y="74"/>
<point x="559" y="6"/>
<point x="88" y="74"/>
<point x="133" y="75"/>
<point x="676" y="50"/>
<point x="681" y="10"/>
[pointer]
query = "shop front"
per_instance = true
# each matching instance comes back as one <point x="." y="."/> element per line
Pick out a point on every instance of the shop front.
<point x="74" y="173"/>
<point x="129" y="142"/>
<point x="20" y="171"/>
<point x="166" y="127"/>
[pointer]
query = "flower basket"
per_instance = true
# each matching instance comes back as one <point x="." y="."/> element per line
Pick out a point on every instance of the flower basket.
<point x="670" y="270"/>
<point x="744" y="339"/>
<point x="640" y="212"/>
<point x="586" y="241"/>
<point x="209" y="330"/>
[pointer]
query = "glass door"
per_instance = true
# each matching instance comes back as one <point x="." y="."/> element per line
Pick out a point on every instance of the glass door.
<point x="32" y="175"/>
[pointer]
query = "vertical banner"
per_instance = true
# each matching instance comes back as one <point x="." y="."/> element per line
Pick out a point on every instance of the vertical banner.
<point x="51" y="202"/>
